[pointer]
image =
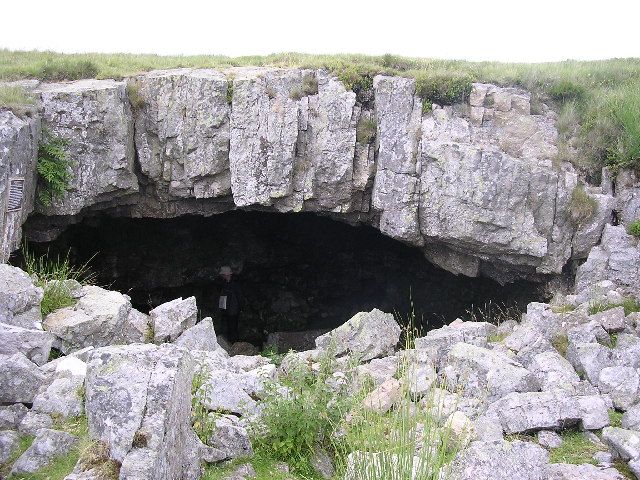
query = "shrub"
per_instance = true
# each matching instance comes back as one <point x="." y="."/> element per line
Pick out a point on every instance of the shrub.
<point x="67" y="69"/>
<point x="582" y="206"/>
<point x="16" y="99"/>
<point x="443" y="89"/>
<point x="634" y="228"/>
<point x="202" y="420"/>
<point x="54" y="168"/>
<point x="565" y="90"/>
<point x="366" y="130"/>
<point x="292" y="426"/>
<point x="52" y="276"/>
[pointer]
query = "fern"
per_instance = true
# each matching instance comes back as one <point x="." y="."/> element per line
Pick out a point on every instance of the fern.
<point x="54" y="168"/>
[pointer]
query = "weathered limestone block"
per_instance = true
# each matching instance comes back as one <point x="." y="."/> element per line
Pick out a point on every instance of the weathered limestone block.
<point x="293" y="144"/>
<point x="97" y="319"/>
<point x="588" y="234"/>
<point x="230" y="438"/>
<point x="9" y="443"/>
<point x="532" y="411"/>
<point x="20" y="379"/>
<point x="94" y="116"/>
<point x="19" y="299"/>
<point x="396" y="187"/>
<point x="628" y="196"/>
<point x="438" y="342"/>
<point x="182" y="131"/>
<point x="617" y="259"/>
<point x="63" y="395"/>
<point x="35" y="344"/>
<point x="367" y="335"/>
<point x="566" y="471"/>
<point x="47" y="445"/>
<point x="143" y="392"/>
<point x="202" y="336"/>
<point x="501" y="461"/>
<point x="172" y="318"/>
<point x="18" y="158"/>
<point x="484" y="373"/>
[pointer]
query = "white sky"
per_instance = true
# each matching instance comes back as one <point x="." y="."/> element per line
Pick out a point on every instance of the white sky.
<point x="512" y="30"/>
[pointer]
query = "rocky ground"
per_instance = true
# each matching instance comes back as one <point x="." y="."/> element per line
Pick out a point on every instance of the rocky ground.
<point x="553" y="395"/>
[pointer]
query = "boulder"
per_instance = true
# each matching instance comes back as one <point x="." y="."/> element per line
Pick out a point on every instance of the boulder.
<point x="47" y="445"/>
<point x="35" y="344"/>
<point x="19" y="298"/>
<point x="631" y="418"/>
<point x="136" y="329"/>
<point x="95" y="118"/>
<point x="248" y="362"/>
<point x="202" y="336"/>
<point x="553" y="371"/>
<point x="138" y="401"/>
<point x="612" y="320"/>
<point x="375" y="372"/>
<point x="532" y="411"/>
<point x="564" y="471"/>
<point x="227" y="392"/>
<point x="9" y="443"/>
<point x="20" y="379"/>
<point x="97" y="319"/>
<point x="622" y="384"/>
<point x="626" y="443"/>
<point x="230" y="438"/>
<point x="438" y="342"/>
<point x="65" y="394"/>
<point x="527" y="342"/>
<point x="483" y="373"/>
<point x="11" y="416"/>
<point x="32" y="422"/>
<point x="383" y="397"/>
<point x="549" y="439"/>
<point x="366" y="335"/>
<point x="501" y="460"/>
<point x="170" y="319"/>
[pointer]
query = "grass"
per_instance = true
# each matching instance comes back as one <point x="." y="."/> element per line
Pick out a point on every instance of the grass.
<point x="91" y="454"/>
<point x="25" y="442"/>
<point x="271" y="352"/>
<point x="266" y="469"/>
<point x="51" y="274"/>
<point x="564" y="308"/>
<point x="605" y="94"/>
<point x="575" y="449"/>
<point x="615" y="418"/>
<point x="561" y="344"/>
<point x="630" y="305"/>
<point x="634" y="228"/>
<point x="582" y="206"/>
<point x="16" y="99"/>
<point x="365" y="130"/>
<point x="494" y="313"/>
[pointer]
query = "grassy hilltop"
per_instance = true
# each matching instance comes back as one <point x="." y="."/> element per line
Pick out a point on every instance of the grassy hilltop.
<point x="598" y="102"/>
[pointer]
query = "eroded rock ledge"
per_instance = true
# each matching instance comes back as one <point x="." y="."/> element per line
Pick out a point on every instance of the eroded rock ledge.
<point x="476" y="186"/>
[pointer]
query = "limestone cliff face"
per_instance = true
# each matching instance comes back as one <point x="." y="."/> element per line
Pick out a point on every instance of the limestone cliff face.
<point x="476" y="186"/>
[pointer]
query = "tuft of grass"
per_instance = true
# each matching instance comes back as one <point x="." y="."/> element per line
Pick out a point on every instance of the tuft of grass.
<point x="310" y="85"/>
<point x="582" y="206"/>
<point x="634" y="228"/>
<point x="575" y="449"/>
<point x="54" y="168"/>
<point x="561" y="344"/>
<point x="229" y="90"/>
<point x="366" y="130"/>
<point x="67" y="69"/>
<point x="566" y="90"/>
<point x="202" y="421"/>
<point x="615" y="418"/>
<point x="630" y="305"/>
<point x="51" y="274"/>
<point x="271" y="352"/>
<point x="16" y="99"/>
<point x="266" y="469"/>
<point x="494" y="313"/>
<point x="296" y="93"/>
<point x="443" y="89"/>
<point x="136" y="100"/>
<point x="565" y="308"/>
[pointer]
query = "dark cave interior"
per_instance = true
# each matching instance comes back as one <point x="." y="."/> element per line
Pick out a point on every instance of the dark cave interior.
<point x="297" y="271"/>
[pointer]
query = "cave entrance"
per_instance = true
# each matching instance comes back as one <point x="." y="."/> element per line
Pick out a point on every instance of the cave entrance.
<point x="298" y="272"/>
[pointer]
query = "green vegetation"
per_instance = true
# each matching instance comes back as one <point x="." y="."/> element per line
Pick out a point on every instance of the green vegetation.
<point x="136" y="100"/>
<point x="365" y="130"/>
<point x="56" y="277"/>
<point x="494" y="313"/>
<point x="564" y="308"/>
<point x="16" y="99"/>
<point x="266" y="469"/>
<point x="25" y="442"/>
<point x="54" y="173"/>
<point x="615" y="418"/>
<point x="576" y="449"/>
<point x="582" y="206"/>
<point x="271" y="352"/>
<point x="203" y="422"/>
<point x="561" y="344"/>
<point x="630" y="305"/>
<point x="634" y="228"/>
<point x="605" y="94"/>
<point x="90" y="454"/>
